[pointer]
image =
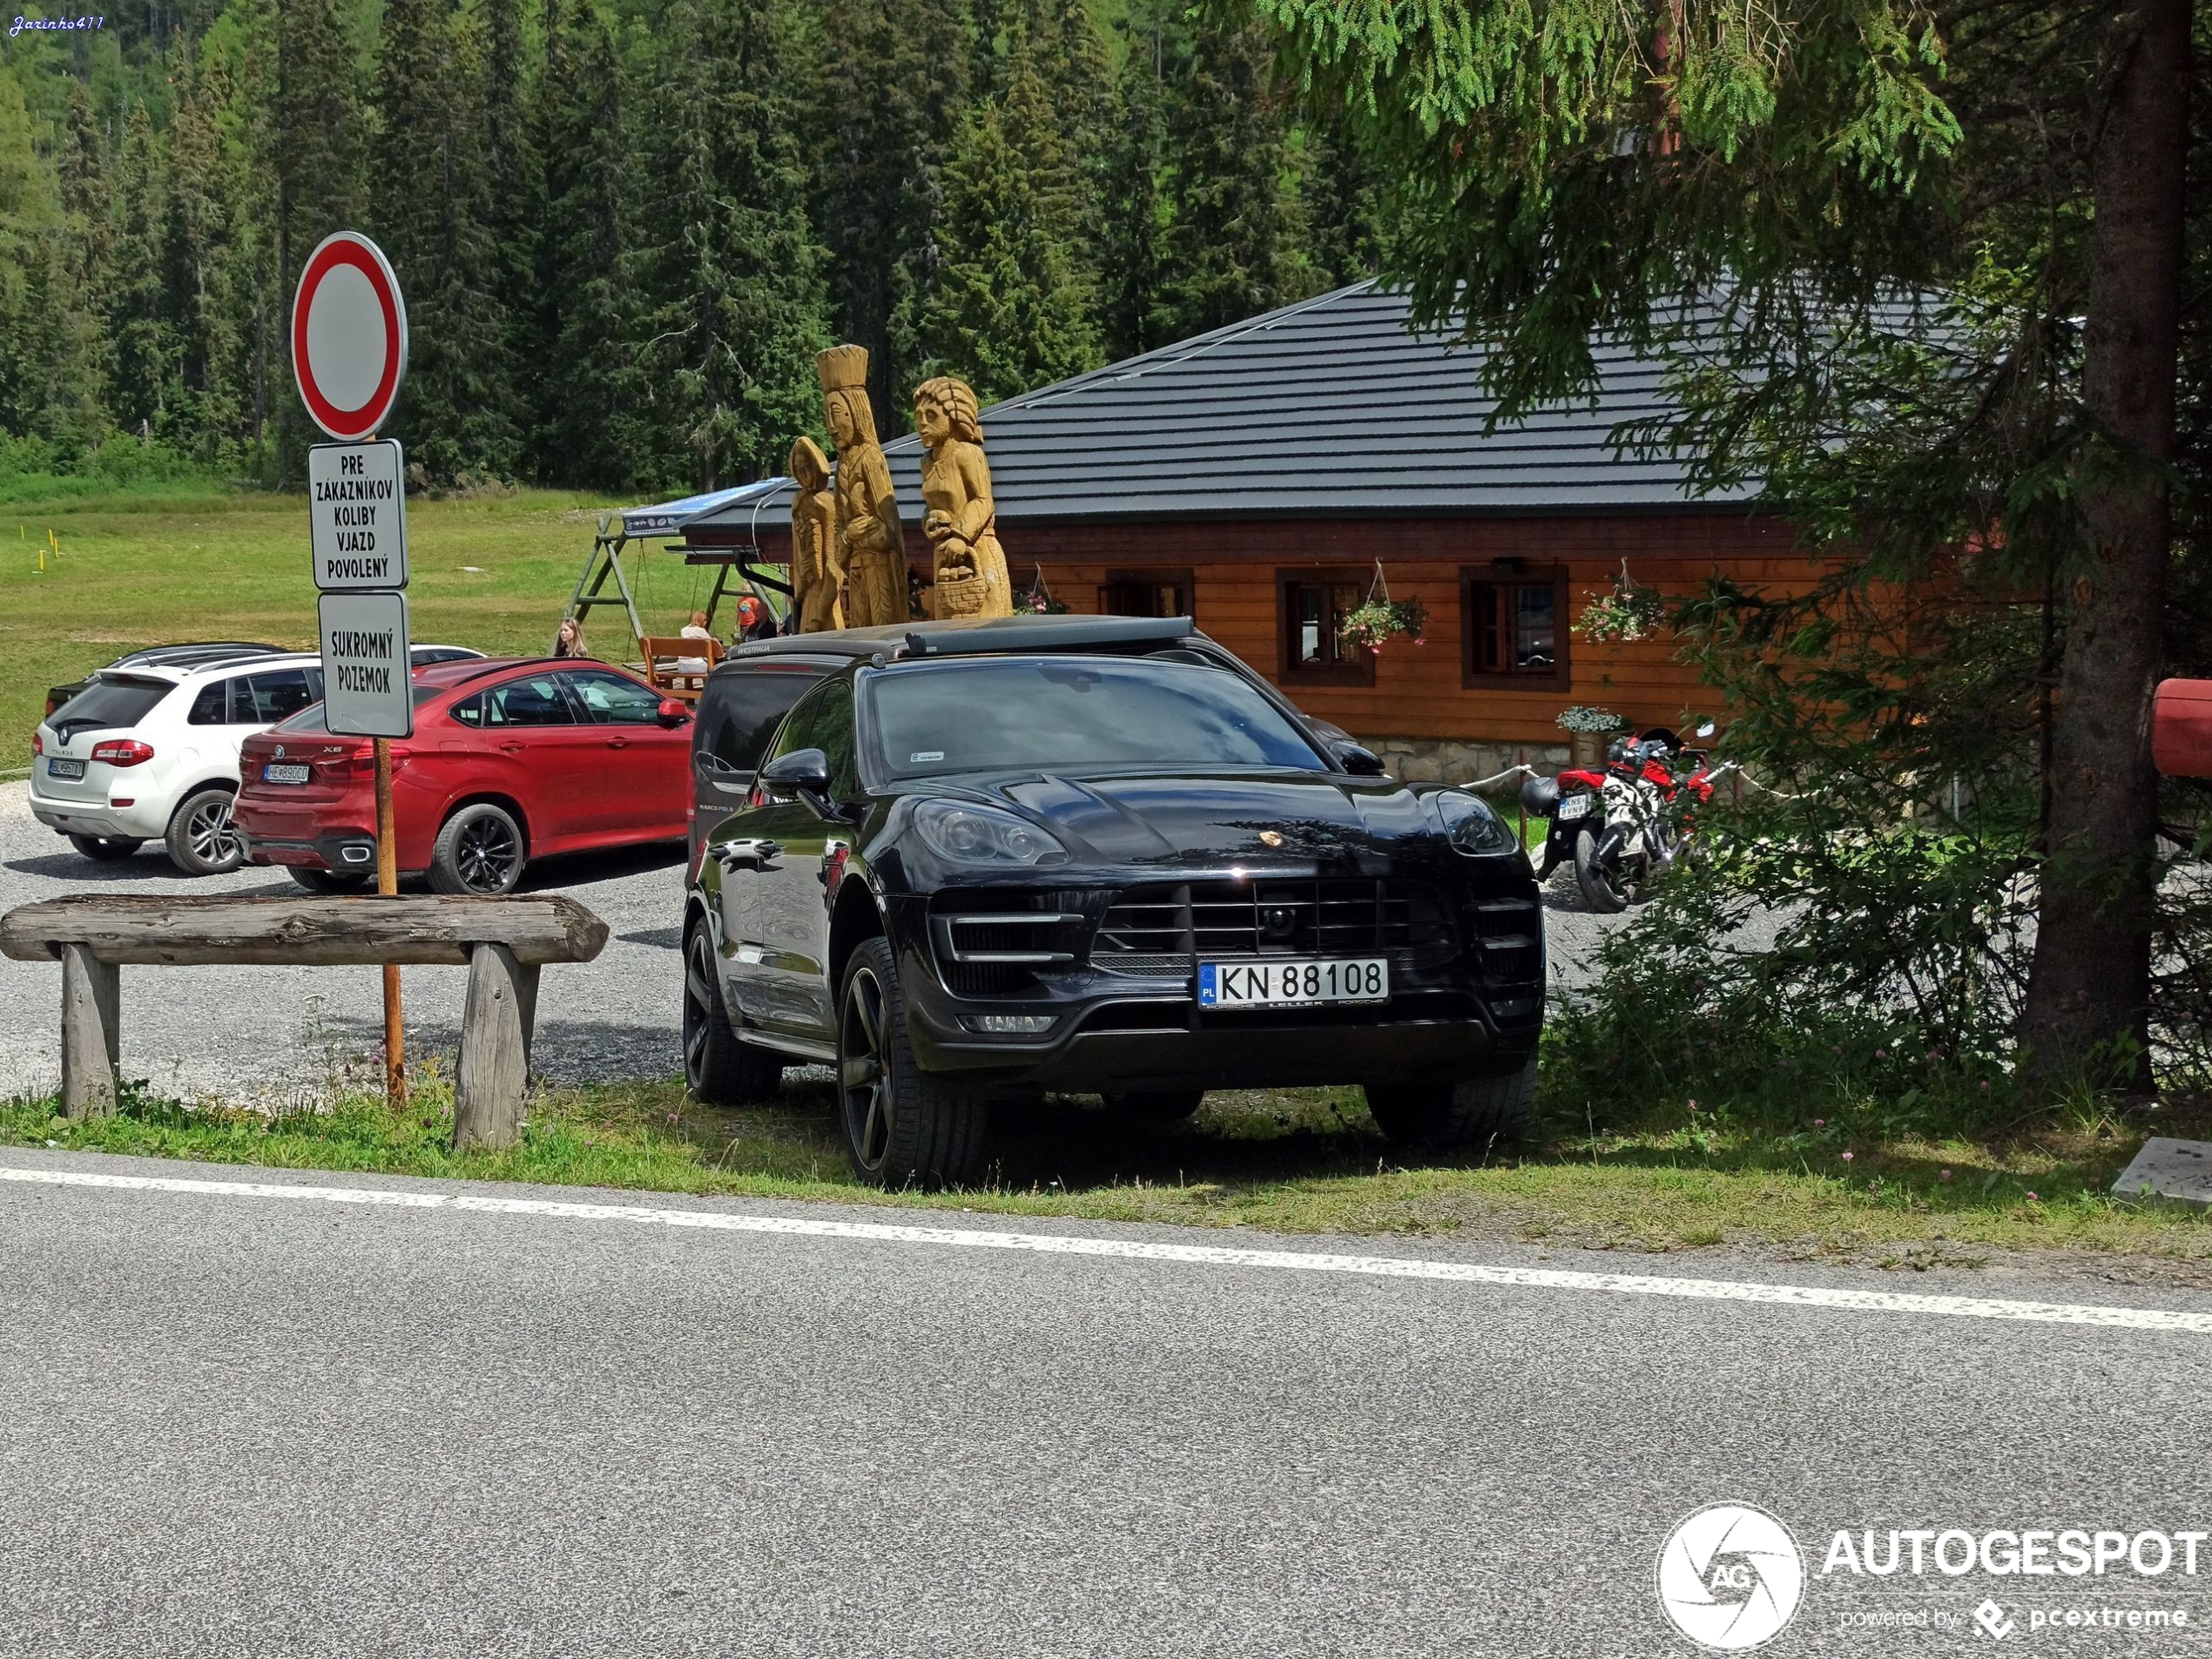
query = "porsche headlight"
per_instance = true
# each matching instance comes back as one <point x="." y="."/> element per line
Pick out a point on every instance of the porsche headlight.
<point x="1469" y="823"/>
<point x="962" y="834"/>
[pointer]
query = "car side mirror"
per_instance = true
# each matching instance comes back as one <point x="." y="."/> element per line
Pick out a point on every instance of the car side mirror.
<point x="672" y="712"/>
<point x="803" y="771"/>
<point x="1358" y="759"/>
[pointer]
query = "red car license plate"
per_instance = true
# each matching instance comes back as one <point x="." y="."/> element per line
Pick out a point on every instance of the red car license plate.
<point x="284" y="773"/>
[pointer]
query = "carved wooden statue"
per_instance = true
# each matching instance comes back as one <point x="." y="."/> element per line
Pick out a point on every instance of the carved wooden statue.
<point x="958" y="514"/>
<point x="867" y="512"/>
<point x="817" y="555"/>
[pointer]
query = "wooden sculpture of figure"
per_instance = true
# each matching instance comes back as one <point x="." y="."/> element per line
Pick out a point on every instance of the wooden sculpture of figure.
<point x="867" y="512"/>
<point x="817" y="555"/>
<point x="958" y="514"/>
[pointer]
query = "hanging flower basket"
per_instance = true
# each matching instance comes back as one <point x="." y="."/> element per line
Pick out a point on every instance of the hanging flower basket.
<point x="1379" y="618"/>
<point x="1039" y="598"/>
<point x="1627" y="614"/>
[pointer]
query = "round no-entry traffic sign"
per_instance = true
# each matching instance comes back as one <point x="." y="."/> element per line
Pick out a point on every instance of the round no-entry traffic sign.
<point x="349" y="336"/>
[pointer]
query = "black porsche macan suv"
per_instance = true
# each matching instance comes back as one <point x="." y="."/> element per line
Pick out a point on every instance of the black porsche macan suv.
<point x="962" y="862"/>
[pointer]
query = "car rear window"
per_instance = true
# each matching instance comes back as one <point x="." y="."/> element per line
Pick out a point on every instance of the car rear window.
<point x="109" y="704"/>
<point x="310" y="720"/>
<point x="741" y="709"/>
<point x="1054" y="712"/>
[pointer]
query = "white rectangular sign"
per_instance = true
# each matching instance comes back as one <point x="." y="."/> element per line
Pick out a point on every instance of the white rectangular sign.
<point x="366" y="690"/>
<point x="357" y="510"/>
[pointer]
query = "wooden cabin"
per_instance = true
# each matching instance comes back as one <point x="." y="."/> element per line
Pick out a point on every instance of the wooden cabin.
<point x="1259" y="476"/>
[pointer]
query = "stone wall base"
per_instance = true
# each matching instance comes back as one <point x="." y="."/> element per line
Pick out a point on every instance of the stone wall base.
<point x="1453" y="760"/>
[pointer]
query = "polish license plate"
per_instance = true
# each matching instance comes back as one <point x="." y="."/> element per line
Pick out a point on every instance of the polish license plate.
<point x="284" y="772"/>
<point x="65" y="768"/>
<point x="1289" y="985"/>
<point x="1574" y="807"/>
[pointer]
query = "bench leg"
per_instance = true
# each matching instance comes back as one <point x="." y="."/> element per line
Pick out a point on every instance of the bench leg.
<point x="90" y="1000"/>
<point x="495" y="1049"/>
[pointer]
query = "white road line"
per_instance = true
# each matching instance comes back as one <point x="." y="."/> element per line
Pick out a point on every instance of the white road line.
<point x="1709" y="1290"/>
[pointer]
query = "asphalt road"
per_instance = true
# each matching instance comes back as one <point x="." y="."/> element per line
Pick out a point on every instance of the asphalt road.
<point x="261" y="1034"/>
<point x="271" y="1424"/>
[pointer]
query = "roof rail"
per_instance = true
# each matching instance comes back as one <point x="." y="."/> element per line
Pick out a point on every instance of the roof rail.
<point x="1046" y="633"/>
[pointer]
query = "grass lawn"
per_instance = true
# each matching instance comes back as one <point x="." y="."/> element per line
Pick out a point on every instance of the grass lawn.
<point x="1296" y="1161"/>
<point x="175" y="563"/>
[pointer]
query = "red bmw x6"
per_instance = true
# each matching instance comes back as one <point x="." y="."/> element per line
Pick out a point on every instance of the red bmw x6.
<point x="510" y="761"/>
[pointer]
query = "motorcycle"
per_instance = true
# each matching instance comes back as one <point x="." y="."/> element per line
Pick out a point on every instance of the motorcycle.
<point x="1623" y="827"/>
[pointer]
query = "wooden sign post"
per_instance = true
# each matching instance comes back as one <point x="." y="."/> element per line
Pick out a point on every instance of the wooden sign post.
<point x="349" y="356"/>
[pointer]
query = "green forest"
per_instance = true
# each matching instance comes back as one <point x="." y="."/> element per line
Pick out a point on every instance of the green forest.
<point x="624" y="230"/>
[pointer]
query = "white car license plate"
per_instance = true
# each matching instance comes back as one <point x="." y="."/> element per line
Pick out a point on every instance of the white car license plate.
<point x="1304" y="984"/>
<point x="1574" y="807"/>
<point x="65" y="768"/>
<point x="284" y="773"/>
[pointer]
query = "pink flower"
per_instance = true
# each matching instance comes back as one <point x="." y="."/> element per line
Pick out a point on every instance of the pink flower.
<point x="1984" y="1085"/>
<point x="1942" y="1175"/>
<point x="2032" y="1198"/>
<point x="1847" y="1157"/>
<point x="1693" y="1105"/>
<point x="1820" y="1122"/>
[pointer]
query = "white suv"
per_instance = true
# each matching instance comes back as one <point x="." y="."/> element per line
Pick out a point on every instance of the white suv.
<point x="153" y="751"/>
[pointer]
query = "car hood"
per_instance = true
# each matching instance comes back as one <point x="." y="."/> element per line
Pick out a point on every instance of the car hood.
<point x="1198" y="820"/>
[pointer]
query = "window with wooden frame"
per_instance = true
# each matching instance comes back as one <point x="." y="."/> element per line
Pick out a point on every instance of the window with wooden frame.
<point x="1310" y="607"/>
<point x="1512" y="621"/>
<point x="1147" y="593"/>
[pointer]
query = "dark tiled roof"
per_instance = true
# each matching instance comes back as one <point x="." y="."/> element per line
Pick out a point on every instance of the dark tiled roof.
<point x="1332" y="407"/>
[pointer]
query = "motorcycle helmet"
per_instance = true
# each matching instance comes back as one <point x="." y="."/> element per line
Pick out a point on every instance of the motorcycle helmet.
<point x="1621" y="749"/>
<point x="1540" y="796"/>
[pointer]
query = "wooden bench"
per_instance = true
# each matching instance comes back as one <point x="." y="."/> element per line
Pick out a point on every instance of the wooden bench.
<point x="503" y="942"/>
<point x="666" y="654"/>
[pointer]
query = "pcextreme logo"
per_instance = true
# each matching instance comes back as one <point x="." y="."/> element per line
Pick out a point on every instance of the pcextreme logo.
<point x="1730" y="1576"/>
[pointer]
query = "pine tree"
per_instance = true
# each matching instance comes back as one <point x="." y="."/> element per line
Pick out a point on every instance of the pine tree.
<point x="314" y="145"/>
<point x="896" y="80"/>
<point x="1079" y="80"/>
<point x="145" y="340"/>
<point x="733" y="269"/>
<point x="589" y="428"/>
<point x="455" y="414"/>
<point x="1345" y="236"/>
<point x="207" y="294"/>
<point x="1229" y="136"/>
<point x="1008" y="312"/>
<point x="72" y="366"/>
<point x="514" y="193"/>
<point x="1134" y="307"/>
<point x="29" y="216"/>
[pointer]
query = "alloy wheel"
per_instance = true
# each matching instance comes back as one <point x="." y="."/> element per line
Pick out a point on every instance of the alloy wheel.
<point x="486" y="854"/>
<point x="698" y="1005"/>
<point x="864" y="1082"/>
<point x="209" y="832"/>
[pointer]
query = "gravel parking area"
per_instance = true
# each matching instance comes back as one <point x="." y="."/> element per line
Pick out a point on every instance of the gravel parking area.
<point x="261" y="1033"/>
<point x="265" y="1033"/>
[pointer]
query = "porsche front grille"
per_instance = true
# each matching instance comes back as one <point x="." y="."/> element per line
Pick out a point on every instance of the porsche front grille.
<point x="1163" y="929"/>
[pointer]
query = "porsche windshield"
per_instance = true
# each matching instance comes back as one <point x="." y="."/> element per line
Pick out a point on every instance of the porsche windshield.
<point x="999" y="714"/>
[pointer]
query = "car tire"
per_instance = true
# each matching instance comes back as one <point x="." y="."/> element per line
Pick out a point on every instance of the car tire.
<point x="106" y="849"/>
<point x="327" y="882"/>
<point x="902" y="1127"/>
<point x="1156" y="1105"/>
<point x="1598" y="889"/>
<point x="1475" y="1111"/>
<point x="718" y="1068"/>
<point x="202" y="840"/>
<point x="479" y="852"/>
